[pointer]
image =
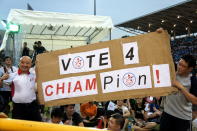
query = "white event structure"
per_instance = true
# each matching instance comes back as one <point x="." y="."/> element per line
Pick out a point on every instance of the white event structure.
<point x="54" y="30"/>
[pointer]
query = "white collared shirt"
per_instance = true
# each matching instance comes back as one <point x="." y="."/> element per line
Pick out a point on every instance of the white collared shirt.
<point x="23" y="87"/>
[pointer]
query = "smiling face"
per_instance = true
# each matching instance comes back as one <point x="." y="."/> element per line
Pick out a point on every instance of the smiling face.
<point x="120" y="103"/>
<point x="70" y="110"/>
<point x="25" y="64"/>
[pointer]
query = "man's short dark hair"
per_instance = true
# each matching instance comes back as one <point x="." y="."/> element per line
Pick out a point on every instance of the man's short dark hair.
<point x="57" y="112"/>
<point x="39" y="42"/>
<point x="7" y="57"/>
<point x="108" y="113"/>
<point x="119" y="119"/>
<point x="35" y="43"/>
<point x="70" y="105"/>
<point x="190" y="60"/>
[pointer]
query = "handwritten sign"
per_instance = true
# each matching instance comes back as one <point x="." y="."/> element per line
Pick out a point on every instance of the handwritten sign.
<point x="125" y="68"/>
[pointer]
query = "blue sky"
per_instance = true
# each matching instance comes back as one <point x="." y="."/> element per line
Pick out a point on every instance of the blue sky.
<point x="119" y="10"/>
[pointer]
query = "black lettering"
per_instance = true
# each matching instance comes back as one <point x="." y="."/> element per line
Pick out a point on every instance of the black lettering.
<point x="66" y="66"/>
<point x="103" y="58"/>
<point x="90" y="60"/>
<point x="142" y="76"/>
<point x="107" y="82"/>
<point x="130" y="54"/>
<point x="118" y="80"/>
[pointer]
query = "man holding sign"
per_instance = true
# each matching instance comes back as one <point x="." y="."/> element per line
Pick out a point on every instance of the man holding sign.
<point x="25" y="105"/>
<point x="178" y="107"/>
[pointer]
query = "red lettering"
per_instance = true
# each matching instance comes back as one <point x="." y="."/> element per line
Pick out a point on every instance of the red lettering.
<point x="60" y="88"/>
<point x="78" y="86"/>
<point x="69" y="84"/>
<point x="90" y="85"/>
<point x="46" y="90"/>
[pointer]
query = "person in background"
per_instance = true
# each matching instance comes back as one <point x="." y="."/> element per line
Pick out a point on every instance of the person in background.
<point x="2" y="101"/>
<point x="123" y="109"/>
<point x="35" y="53"/>
<point x="56" y="116"/>
<point x="116" y="122"/>
<point x="89" y="113"/>
<point x="71" y="117"/>
<point x="26" y="50"/>
<point x="153" y="113"/>
<point x="5" y="91"/>
<point x="40" y="48"/>
<point x="88" y="110"/>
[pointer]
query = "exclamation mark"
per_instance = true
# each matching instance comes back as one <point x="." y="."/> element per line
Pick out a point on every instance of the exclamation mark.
<point x="157" y="74"/>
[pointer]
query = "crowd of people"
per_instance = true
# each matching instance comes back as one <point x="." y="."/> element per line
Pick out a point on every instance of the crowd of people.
<point x="183" y="46"/>
<point x="18" y="97"/>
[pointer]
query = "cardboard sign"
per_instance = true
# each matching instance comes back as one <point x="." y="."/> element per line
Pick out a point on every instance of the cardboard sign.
<point x="132" y="67"/>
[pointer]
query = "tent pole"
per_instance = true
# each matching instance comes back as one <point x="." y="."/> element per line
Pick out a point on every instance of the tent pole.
<point x="52" y="41"/>
<point x="94" y="7"/>
<point x="109" y="34"/>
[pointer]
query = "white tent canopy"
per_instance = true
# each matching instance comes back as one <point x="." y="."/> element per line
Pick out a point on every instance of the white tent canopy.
<point x="58" y="30"/>
<point x="27" y="17"/>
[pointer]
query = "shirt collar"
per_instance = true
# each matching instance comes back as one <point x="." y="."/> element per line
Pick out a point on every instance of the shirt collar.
<point x="20" y="72"/>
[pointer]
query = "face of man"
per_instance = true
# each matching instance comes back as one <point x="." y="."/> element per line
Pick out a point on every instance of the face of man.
<point x="69" y="110"/>
<point x="112" y="125"/>
<point x="39" y="44"/>
<point x="25" y="44"/>
<point x="120" y="102"/>
<point x="182" y="68"/>
<point x="8" y="62"/>
<point x="25" y="64"/>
